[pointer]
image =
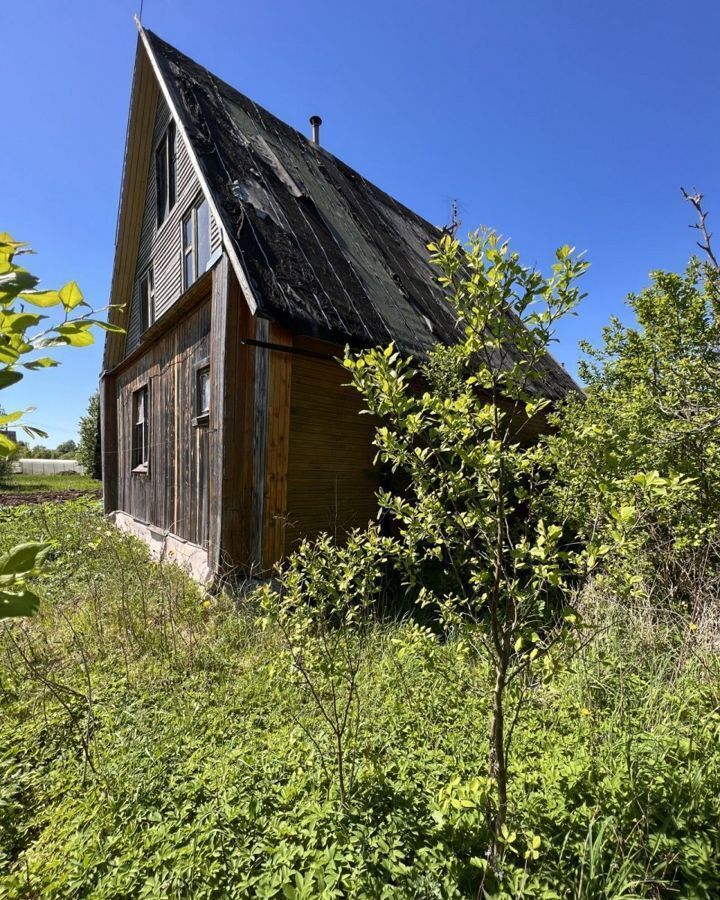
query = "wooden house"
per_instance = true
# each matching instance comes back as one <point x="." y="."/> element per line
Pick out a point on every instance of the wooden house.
<point x="247" y="257"/>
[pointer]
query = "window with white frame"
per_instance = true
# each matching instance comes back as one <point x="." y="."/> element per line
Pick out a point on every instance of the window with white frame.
<point x="147" y="299"/>
<point x="141" y="430"/>
<point x="202" y="392"/>
<point x="196" y="242"/>
<point x="165" y="173"/>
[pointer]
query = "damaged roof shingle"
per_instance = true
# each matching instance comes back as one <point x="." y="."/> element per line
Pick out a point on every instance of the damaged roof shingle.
<point x="325" y="252"/>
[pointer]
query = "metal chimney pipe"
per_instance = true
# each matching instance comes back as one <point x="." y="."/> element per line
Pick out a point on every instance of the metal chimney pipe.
<point x="316" y="122"/>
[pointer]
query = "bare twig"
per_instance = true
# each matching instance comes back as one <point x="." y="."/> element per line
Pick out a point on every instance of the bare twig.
<point x="701" y="225"/>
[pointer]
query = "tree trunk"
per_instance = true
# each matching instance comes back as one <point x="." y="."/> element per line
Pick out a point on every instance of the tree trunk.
<point x="498" y="758"/>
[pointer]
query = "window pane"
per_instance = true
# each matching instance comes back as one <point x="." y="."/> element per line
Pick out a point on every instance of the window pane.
<point x="189" y="272"/>
<point x="151" y="297"/>
<point x="144" y="303"/>
<point x="171" y="164"/>
<point x="141" y="429"/>
<point x="144" y="455"/>
<point x="161" y="181"/>
<point x="187" y="232"/>
<point x="188" y="254"/>
<point x="147" y="312"/>
<point x="203" y="391"/>
<point x="203" y="236"/>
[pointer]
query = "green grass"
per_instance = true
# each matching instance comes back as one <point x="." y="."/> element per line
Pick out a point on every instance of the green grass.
<point x="18" y="484"/>
<point x="154" y="742"/>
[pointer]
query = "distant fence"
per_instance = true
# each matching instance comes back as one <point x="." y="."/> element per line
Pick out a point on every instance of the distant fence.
<point x="48" y="467"/>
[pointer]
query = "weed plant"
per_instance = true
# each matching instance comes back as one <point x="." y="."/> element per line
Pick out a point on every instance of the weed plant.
<point x="155" y="743"/>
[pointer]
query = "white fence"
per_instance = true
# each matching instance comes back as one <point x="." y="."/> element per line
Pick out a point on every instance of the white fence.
<point x="48" y="467"/>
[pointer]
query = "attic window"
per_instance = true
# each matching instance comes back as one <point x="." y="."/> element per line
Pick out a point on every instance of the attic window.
<point x="147" y="299"/>
<point x="196" y="242"/>
<point x="165" y="173"/>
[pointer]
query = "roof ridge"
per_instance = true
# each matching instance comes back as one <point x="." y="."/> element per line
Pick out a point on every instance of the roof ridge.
<point x="319" y="247"/>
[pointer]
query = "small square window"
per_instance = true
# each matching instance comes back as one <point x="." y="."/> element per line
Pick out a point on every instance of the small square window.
<point x="202" y="395"/>
<point x="147" y="299"/>
<point x="141" y="430"/>
<point x="196" y="242"/>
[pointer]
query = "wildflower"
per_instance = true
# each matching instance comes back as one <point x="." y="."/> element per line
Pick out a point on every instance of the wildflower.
<point x="693" y="627"/>
<point x="206" y="603"/>
<point x="584" y="711"/>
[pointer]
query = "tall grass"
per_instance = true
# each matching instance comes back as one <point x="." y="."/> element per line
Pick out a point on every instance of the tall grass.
<point x="154" y="743"/>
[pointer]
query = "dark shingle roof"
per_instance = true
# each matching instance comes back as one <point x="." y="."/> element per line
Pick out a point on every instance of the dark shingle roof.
<point x="325" y="252"/>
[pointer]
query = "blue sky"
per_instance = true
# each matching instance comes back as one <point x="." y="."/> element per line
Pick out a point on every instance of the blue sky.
<point x="552" y="121"/>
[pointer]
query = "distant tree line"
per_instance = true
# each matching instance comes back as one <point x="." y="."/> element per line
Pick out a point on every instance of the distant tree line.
<point x="65" y="450"/>
<point x="86" y="451"/>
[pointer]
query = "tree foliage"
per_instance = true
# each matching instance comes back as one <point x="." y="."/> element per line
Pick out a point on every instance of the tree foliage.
<point x="472" y="534"/>
<point x="646" y="437"/>
<point x="26" y="332"/>
<point x="88" y="454"/>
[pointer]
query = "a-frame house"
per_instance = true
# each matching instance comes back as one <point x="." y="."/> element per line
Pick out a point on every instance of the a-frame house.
<point x="246" y="257"/>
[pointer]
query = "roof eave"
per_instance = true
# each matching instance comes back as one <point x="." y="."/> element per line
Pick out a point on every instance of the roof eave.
<point x="228" y="244"/>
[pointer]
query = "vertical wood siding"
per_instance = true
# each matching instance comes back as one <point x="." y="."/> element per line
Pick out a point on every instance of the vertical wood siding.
<point x="233" y="404"/>
<point x="163" y="246"/>
<point x="331" y="481"/>
<point x="173" y="495"/>
<point x="277" y="446"/>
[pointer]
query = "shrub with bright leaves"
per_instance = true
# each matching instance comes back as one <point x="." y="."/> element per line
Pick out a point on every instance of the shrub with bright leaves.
<point x="645" y="443"/>
<point x="25" y="334"/>
<point x="470" y="521"/>
<point x="323" y="601"/>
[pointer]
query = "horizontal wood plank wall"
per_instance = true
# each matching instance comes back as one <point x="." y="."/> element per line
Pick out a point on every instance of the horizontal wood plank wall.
<point x="279" y="388"/>
<point x="331" y="477"/>
<point x="163" y="246"/>
<point x="143" y="111"/>
<point x="171" y="495"/>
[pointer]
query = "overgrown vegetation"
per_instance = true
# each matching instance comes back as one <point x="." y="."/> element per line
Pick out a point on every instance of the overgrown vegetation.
<point x="18" y="483"/>
<point x="473" y="534"/>
<point x="88" y="453"/>
<point x="24" y="335"/>
<point x="345" y="731"/>
<point x="155" y="743"/>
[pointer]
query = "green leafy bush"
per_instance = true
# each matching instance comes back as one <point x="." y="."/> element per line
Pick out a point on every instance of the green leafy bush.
<point x="473" y="534"/>
<point x="22" y="338"/>
<point x="153" y="745"/>
<point x="641" y="452"/>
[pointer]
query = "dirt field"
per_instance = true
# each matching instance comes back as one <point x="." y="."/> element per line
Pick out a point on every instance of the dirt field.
<point x="9" y="498"/>
<point x="17" y="490"/>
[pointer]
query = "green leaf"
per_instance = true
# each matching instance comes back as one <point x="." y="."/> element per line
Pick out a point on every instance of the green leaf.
<point x="627" y="513"/>
<point x="31" y="431"/>
<point x="24" y="558"/>
<point x="76" y="334"/>
<point x="8" y="354"/>
<point x="15" y="282"/>
<point x="6" y="445"/>
<point x="8" y="377"/>
<point x="106" y="326"/>
<point x="18" y="603"/>
<point x="18" y="323"/>
<point x="43" y="299"/>
<point x="71" y="295"/>
<point x="45" y="362"/>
